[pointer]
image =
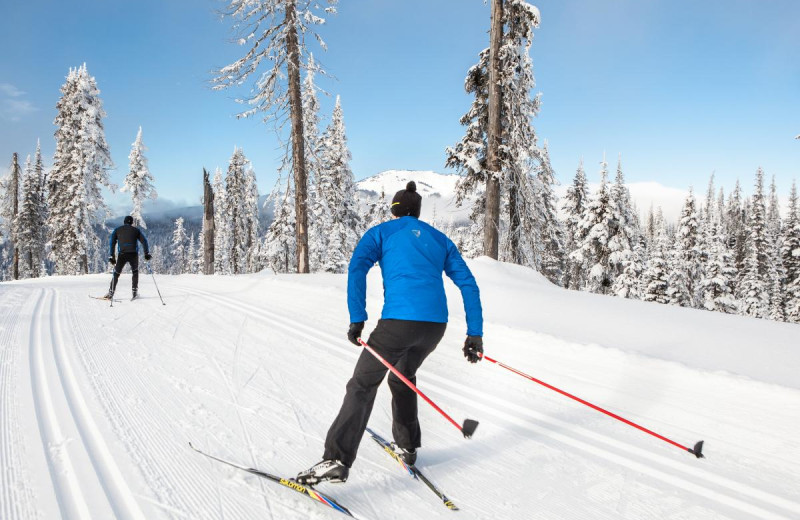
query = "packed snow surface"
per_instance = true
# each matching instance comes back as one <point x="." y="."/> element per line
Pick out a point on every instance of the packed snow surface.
<point x="98" y="404"/>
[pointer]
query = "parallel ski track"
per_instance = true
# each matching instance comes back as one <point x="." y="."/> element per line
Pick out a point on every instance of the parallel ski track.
<point x="17" y="499"/>
<point x="66" y="485"/>
<point x="117" y="491"/>
<point x="687" y="476"/>
<point x="148" y="433"/>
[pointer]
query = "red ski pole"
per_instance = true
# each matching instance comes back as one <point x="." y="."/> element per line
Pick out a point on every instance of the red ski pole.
<point x="469" y="426"/>
<point x="697" y="451"/>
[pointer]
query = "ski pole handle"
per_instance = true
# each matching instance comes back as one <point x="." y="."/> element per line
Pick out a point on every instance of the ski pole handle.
<point x="469" y="426"/>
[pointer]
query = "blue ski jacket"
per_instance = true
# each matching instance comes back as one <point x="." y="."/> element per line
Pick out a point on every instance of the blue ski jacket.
<point x="412" y="255"/>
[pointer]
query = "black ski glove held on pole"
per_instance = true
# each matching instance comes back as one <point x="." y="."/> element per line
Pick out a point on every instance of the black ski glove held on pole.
<point x="473" y="346"/>
<point x="112" y="260"/>
<point x="354" y="332"/>
<point x="147" y="256"/>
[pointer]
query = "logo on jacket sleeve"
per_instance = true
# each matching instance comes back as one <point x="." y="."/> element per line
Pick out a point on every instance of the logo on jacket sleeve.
<point x="416" y="232"/>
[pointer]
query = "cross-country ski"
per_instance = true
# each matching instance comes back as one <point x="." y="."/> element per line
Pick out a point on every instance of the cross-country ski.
<point x="104" y="298"/>
<point x="289" y="483"/>
<point x="411" y="469"/>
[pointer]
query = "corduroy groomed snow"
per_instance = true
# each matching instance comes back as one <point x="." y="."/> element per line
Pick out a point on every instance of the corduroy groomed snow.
<point x="407" y="202"/>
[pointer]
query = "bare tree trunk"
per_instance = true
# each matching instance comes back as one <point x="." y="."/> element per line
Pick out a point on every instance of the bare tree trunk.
<point x="298" y="141"/>
<point x="491" y="223"/>
<point x="208" y="225"/>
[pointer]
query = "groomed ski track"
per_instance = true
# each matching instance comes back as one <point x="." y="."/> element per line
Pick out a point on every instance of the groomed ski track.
<point x="99" y="403"/>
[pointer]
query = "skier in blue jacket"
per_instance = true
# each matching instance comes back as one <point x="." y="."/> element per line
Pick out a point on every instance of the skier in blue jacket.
<point x="412" y="256"/>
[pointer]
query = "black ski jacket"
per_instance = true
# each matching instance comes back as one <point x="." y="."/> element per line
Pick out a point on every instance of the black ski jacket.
<point x="127" y="236"/>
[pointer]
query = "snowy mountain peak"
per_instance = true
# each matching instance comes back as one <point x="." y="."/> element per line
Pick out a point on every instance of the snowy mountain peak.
<point x="437" y="190"/>
<point x="428" y="182"/>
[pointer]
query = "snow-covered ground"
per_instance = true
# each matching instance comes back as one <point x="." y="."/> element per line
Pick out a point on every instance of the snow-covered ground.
<point x="98" y="404"/>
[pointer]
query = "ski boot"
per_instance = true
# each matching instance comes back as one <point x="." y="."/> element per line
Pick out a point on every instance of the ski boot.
<point x="135" y="294"/>
<point x="325" y="471"/>
<point x="408" y="456"/>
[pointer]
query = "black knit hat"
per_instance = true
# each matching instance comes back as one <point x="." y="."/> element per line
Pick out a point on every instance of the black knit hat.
<point x="407" y="202"/>
<point x="129" y="220"/>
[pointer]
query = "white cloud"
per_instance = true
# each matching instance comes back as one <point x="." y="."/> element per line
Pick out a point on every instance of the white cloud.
<point x="8" y="90"/>
<point x="13" y="106"/>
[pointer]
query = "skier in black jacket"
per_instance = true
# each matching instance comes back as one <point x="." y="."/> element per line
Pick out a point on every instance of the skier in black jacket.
<point x="126" y="236"/>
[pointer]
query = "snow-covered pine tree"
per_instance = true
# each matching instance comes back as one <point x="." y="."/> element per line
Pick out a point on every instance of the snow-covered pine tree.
<point x="221" y="226"/>
<point x="9" y="209"/>
<point x="720" y="212"/>
<point x="595" y="231"/>
<point x="321" y="217"/>
<point x="777" y="272"/>
<point x="30" y="223"/>
<point x="338" y="189"/>
<point x="790" y="254"/>
<point x="377" y="211"/>
<point x="574" y="208"/>
<point x="734" y="226"/>
<point x="685" y="259"/>
<point x="139" y="181"/>
<point x="523" y="165"/>
<point x="199" y="258"/>
<point x="754" y="287"/>
<point x="279" y="251"/>
<point x="158" y="263"/>
<point x="707" y="219"/>
<point x="319" y="213"/>
<point x="777" y="292"/>
<point x="654" y="280"/>
<point x="503" y="108"/>
<point x="238" y="211"/>
<point x="191" y="256"/>
<point x="311" y="121"/>
<point x="774" y="225"/>
<point x="628" y="283"/>
<point x="252" y="243"/>
<point x="80" y="167"/>
<point x="276" y="31"/>
<point x="180" y="248"/>
<point x="624" y="231"/>
<point x="716" y="269"/>
<point x="716" y="287"/>
<point x="549" y="232"/>
<point x="38" y="168"/>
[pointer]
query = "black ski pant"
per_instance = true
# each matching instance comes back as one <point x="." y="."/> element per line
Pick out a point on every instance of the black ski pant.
<point x="405" y="344"/>
<point x="122" y="259"/>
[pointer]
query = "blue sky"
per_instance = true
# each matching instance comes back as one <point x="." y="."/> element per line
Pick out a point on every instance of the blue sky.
<point x="679" y="88"/>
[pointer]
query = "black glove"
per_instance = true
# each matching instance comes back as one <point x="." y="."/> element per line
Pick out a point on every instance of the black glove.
<point x="354" y="332"/>
<point x="473" y="346"/>
<point x="147" y="256"/>
<point x="112" y="260"/>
